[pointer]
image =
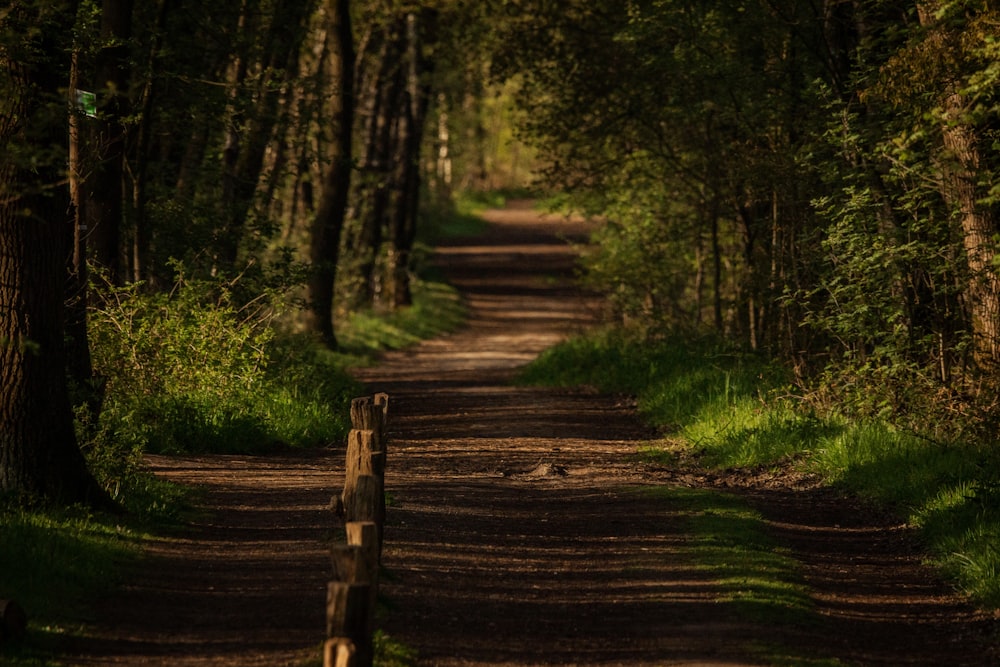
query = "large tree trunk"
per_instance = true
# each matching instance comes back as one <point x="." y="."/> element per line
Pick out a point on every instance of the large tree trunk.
<point x="39" y="456"/>
<point x="329" y="221"/>
<point x="979" y="229"/>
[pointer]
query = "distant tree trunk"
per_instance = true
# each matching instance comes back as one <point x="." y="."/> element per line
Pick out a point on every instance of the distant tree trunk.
<point x="141" y="234"/>
<point x="80" y="365"/>
<point x="383" y="107"/>
<point x="980" y="222"/>
<point x="100" y="201"/>
<point x="252" y="125"/>
<point x="409" y="140"/>
<point x="39" y="455"/>
<point x="329" y="221"/>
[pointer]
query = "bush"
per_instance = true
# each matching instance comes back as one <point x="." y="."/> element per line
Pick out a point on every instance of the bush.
<point x="192" y="370"/>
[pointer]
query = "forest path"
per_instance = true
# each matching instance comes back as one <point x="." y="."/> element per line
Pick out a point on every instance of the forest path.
<point x="516" y="534"/>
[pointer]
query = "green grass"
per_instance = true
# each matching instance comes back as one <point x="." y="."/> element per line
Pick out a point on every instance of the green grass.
<point x="391" y="653"/>
<point x="730" y="541"/>
<point x="53" y="563"/>
<point x="725" y="409"/>
<point x="436" y="309"/>
<point x="757" y="580"/>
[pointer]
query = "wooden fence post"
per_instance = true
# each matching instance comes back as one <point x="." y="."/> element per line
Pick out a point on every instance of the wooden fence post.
<point x="366" y="455"/>
<point x="347" y="618"/>
<point x="339" y="652"/>
<point x="351" y="598"/>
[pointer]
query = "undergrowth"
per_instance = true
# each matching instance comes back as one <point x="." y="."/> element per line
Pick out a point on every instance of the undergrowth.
<point x="729" y="409"/>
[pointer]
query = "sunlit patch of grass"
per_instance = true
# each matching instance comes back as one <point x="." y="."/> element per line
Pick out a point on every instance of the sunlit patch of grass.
<point x="437" y="308"/>
<point x="729" y="540"/>
<point x="392" y="653"/>
<point x="756" y="578"/>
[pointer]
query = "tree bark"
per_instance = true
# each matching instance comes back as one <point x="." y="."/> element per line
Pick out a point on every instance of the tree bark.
<point x="409" y="140"/>
<point x="100" y="201"/>
<point x="980" y="222"/>
<point x="39" y="456"/>
<point x="329" y="221"/>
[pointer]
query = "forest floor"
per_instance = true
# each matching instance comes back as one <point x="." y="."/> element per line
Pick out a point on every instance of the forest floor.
<point x="517" y="531"/>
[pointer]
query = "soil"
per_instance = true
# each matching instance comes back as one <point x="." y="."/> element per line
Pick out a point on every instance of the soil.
<point x="515" y="534"/>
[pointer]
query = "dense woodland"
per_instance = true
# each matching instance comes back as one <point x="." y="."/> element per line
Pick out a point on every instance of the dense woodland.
<point x="812" y="180"/>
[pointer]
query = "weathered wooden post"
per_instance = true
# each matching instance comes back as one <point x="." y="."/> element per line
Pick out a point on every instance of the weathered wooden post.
<point x="347" y="622"/>
<point x="339" y="652"/>
<point x="351" y="597"/>
<point x="362" y="499"/>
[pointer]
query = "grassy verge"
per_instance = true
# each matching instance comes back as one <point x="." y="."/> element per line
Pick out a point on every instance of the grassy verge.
<point x="733" y="410"/>
<point x="54" y="562"/>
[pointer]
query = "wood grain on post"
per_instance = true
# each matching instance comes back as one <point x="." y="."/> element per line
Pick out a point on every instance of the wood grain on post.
<point x="339" y="652"/>
<point x="347" y="616"/>
<point x="350" y="564"/>
<point x="363" y="535"/>
<point x="357" y="461"/>
<point x="363" y="503"/>
<point x="371" y="413"/>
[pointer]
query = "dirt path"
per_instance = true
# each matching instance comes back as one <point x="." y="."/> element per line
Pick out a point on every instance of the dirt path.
<point x="515" y="536"/>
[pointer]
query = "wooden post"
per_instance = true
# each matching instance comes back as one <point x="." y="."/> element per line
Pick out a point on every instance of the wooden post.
<point x="357" y="462"/>
<point x="363" y="503"/>
<point x="347" y="617"/>
<point x="363" y="536"/>
<point x="350" y="564"/>
<point x="369" y="413"/>
<point x="351" y="599"/>
<point x="339" y="652"/>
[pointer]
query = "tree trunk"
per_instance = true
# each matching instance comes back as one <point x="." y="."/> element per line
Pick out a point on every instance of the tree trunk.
<point x="384" y="108"/>
<point x="329" y="221"/>
<point x="39" y="456"/>
<point x="979" y="229"/>
<point x="142" y="268"/>
<point x="256" y="120"/>
<point x="410" y="135"/>
<point x="979" y="221"/>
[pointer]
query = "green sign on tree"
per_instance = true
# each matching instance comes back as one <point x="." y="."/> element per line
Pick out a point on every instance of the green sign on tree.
<point x="86" y="102"/>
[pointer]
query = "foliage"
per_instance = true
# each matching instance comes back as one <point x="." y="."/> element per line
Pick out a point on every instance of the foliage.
<point x="192" y="370"/>
<point x="816" y="185"/>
